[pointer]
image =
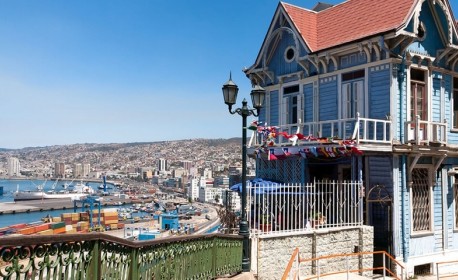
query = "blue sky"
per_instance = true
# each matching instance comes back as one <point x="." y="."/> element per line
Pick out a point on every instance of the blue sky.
<point x="125" y="71"/>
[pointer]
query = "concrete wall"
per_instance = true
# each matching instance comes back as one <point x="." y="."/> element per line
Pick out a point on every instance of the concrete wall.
<point x="271" y="254"/>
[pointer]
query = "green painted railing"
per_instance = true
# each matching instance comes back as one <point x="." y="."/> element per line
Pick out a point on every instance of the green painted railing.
<point x="101" y="256"/>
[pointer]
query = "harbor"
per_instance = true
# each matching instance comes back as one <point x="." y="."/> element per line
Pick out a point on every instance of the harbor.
<point x="123" y="217"/>
<point x="28" y="206"/>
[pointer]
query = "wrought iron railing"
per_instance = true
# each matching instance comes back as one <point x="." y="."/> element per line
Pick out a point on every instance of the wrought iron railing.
<point x="101" y="256"/>
<point x="277" y="208"/>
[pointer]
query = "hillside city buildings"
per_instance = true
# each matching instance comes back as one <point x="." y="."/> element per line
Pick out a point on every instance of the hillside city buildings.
<point x="206" y="175"/>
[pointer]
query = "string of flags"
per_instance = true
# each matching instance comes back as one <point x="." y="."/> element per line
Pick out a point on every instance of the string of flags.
<point x="325" y="147"/>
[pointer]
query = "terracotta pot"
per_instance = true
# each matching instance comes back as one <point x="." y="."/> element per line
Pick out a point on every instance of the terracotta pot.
<point x="266" y="227"/>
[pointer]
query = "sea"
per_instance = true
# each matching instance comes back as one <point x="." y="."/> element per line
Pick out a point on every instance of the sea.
<point x="10" y="186"/>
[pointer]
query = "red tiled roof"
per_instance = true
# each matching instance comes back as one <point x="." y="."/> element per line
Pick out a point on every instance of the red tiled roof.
<point x="349" y="21"/>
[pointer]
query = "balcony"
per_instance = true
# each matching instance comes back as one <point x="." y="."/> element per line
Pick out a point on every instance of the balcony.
<point x="421" y="132"/>
<point x="360" y="130"/>
<point x="101" y="256"/>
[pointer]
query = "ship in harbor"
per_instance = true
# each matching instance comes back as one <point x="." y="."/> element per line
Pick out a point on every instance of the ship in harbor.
<point x="76" y="192"/>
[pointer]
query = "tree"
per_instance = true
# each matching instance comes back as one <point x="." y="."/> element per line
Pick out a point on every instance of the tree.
<point x="217" y="198"/>
<point x="229" y="220"/>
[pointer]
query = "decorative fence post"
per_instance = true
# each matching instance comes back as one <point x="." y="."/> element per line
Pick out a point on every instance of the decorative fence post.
<point x="133" y="270"/>
<point x="94" y="266"/>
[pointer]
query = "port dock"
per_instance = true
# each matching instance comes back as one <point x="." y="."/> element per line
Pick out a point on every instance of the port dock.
<point x="27" y="206"/>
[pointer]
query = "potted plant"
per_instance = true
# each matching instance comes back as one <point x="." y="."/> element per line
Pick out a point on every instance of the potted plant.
<point x="317" y="219"/>
<point x="265" y="223"/>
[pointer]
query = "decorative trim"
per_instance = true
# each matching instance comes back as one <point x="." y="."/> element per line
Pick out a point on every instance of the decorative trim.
<point x="379" y="68"/>
<point x="328" y="79"/>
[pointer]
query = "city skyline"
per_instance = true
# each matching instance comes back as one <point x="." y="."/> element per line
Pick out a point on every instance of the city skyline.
<point x="119" y="72"/>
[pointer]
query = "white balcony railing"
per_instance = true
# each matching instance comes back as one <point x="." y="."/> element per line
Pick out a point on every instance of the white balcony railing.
<point x="425" y="132"/>
<point x="361" y="130"/>
<point x="278" y="208"/>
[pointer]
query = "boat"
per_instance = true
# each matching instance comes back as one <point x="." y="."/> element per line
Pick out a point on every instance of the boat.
<point x="77" y="192"/>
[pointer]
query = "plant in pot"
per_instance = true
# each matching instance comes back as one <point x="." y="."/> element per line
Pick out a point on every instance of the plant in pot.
<point x="317" y="219"/>
<point x="265" y="223"/>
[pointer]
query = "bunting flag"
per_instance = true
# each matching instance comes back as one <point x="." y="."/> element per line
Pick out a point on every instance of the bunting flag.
<point x="253" y="125"/>
<point x="272" y="155"/>
<point x="268" y="134"/>
<point x="279" y="153"/>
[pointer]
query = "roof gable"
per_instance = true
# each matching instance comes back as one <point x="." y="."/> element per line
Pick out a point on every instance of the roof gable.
<point x="349" y="21"/>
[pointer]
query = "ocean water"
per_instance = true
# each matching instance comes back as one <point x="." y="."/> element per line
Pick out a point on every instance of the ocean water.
<point x="10" y="186"/>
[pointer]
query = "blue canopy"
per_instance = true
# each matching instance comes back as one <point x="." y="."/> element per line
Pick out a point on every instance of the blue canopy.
<point x="259" y="186"/>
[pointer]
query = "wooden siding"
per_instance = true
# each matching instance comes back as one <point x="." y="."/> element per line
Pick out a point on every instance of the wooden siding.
<point x="421" y="245"/>
<point x="452" y="137"/>
<point x="353" y="59"/>
<point x="328" y="99"/>
<point x="436" y="97"/>
<point x="432" y="41"/>
<point x="437" y="215"/>
<point x="308" y="103"/>
<point x="278" y="63"/>
<point x="379" y="91"/>
<point x="274" y="109"/>
<point x="397" y="225"/>
<point x="401" y="104"/>
<point x="452" y="241"/>
<point x="406" y="212"/>
<point x="380" y="170"/>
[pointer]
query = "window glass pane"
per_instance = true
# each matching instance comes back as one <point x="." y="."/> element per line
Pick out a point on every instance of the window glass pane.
<point x="417" y="75"/>
<point x="421" y="202"/>
<point x="291" y="89"/>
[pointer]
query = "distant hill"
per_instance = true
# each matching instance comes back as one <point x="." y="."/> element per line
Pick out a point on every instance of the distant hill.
<point x="115" y="146"/>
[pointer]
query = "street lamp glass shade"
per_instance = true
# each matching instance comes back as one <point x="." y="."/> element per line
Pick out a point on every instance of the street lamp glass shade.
<point x="230" y="90"/>
<point x="257" y="96"/>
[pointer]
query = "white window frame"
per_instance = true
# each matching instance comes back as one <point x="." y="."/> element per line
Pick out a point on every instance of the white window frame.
<point x="428" y="82"/>
<point x="353" y="98"/>
<point x="455" y="204"/>
<point x="285" y="114"/>
<point x="454" y="116"/>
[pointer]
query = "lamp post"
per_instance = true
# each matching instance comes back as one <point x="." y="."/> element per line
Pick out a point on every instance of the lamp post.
<point x="230" y="90"/>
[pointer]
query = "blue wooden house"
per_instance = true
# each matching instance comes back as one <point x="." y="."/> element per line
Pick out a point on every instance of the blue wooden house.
<point x="368" y="91"/>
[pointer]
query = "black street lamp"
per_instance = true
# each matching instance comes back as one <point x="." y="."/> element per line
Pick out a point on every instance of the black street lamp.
<point x="230" y="90"/>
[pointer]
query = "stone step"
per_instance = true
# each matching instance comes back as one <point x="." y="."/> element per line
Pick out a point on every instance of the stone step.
<point x="241" y="276"/>
<point x="352" y="276"/>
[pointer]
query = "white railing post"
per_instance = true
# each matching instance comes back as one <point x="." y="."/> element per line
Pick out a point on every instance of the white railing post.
<point x="356" y="130"/>
<point x="444" y="139"/>
<point x="437" y="271"/>
<point x="348" y="267"/>
<point x="384" y="269"/>
<point x="417" y="129"/>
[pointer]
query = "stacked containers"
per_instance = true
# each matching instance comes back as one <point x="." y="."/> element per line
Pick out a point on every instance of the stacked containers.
<point x="110" y="218"/>
<point x="57" y="227"/>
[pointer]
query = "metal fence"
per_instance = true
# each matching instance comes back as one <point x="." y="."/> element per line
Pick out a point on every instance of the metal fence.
<point x="277" y="208"/>
<point x="95" y="256"/>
